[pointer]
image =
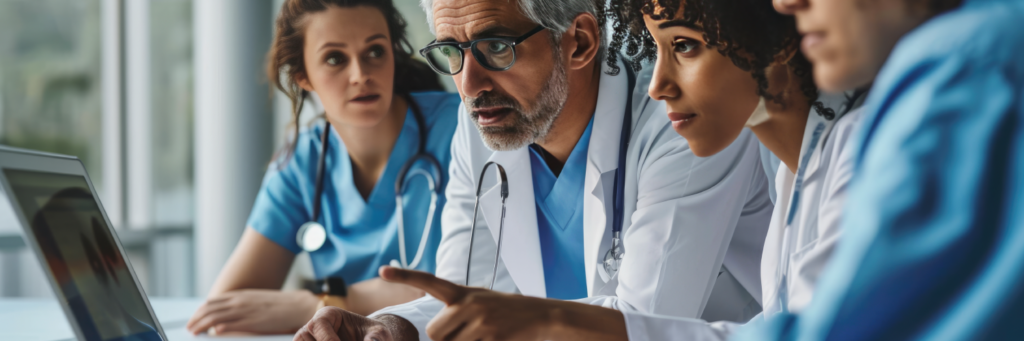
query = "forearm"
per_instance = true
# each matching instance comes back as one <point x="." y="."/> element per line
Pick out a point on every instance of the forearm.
<point x="372" y="295"/>
<point x="256" y="263"/>
<point x="578" y="321"/>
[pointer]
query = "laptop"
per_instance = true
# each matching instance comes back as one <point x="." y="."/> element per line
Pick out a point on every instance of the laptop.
<point x="65" y="225"/>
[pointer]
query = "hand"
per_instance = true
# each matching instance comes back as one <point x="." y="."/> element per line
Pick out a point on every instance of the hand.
<point x="336" y="324"/>
<point x="254" y="310"/>
<point x="479" y="314"/>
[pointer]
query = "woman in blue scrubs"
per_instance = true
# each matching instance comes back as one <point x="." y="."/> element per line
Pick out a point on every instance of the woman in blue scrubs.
<point x="354" y="55"/>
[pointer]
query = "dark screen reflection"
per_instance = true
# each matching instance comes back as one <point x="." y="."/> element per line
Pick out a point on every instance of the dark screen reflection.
<point x="82" y="256"/>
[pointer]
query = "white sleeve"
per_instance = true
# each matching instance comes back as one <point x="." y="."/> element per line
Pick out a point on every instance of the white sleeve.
<point x="653" y="327"/>
<point x="640" y="326"/>
<point x="418" y="312"/>
<point x="687" y="209"/>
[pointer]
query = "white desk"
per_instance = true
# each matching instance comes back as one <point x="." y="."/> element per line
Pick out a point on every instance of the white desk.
<point x="44" y="320"/>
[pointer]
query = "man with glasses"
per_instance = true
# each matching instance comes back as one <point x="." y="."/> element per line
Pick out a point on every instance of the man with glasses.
<point x="538" y="100"/>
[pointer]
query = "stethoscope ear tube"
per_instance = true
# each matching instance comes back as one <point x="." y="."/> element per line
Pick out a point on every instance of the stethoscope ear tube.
<point x="501" y="227"/>
<point x="320" y="170"/>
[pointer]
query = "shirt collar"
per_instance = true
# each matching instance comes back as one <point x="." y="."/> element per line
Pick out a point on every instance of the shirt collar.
<point x="558" y="197"/>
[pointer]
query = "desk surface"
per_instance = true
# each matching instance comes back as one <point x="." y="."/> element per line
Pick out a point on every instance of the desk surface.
<point x="34" y="319"/>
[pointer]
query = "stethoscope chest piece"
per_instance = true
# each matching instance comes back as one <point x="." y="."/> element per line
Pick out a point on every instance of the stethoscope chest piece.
<point x="311" y="236"/>
<point x="612" y="259"/>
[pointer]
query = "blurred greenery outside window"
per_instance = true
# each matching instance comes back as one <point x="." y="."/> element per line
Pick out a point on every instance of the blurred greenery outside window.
<point x="172" y="105"/>
<point x="50" y="89"/>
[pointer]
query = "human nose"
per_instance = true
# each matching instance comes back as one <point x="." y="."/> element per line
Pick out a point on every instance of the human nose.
<point x="789" y="7"/>
<point x="663" y="86"/>
<point x="359" y="72"/>
<point x="474" y="78"/>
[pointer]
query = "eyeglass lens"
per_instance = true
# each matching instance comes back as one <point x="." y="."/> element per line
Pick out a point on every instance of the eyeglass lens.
<point x="493" y="54"/>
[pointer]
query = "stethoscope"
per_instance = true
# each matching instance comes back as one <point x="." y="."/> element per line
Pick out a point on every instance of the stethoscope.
<point x="312" y="235"/>
<point x="613" y="257"/>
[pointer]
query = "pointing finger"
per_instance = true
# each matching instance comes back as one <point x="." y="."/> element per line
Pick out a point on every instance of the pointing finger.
<point x="443" y="290"/>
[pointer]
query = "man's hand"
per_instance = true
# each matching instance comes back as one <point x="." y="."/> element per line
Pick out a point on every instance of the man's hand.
<point x="478" y="314"/>
<point x="336" y="324"/>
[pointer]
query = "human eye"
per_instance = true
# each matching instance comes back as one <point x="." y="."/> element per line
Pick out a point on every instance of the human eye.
<point x="684" y="46"/>
<point x="335" y="58"/>
<point x="445" y="50"/>
<point x="497" y="47"/>
<point x="376" y="51"/>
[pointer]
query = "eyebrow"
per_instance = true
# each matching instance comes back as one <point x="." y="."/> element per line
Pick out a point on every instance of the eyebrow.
<point x="376" y="36"/>
<point x="490" y="32"/>
<point x="343" y="45"/>
<point x="678" y="23"/>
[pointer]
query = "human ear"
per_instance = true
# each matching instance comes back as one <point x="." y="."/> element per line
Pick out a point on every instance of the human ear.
<point x="303" y="81"/>
<point x="585" y="40"/>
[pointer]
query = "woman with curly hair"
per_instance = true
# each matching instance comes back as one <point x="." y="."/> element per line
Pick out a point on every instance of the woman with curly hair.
<point x="721" y="66"/>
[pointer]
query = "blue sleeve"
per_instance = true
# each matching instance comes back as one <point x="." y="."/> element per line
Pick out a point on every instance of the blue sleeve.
<point x="933" y="245"/>
<point x="283" y="202"/>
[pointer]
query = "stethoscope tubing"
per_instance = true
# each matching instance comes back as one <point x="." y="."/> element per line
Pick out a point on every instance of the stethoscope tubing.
<point x="427" y="226"/>
<point x="433" y="183"/>
<point x="501" y="225"/>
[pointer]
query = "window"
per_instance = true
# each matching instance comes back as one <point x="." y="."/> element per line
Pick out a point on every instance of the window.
<point x="50" y="90"/>
<point x="111" y="82"/>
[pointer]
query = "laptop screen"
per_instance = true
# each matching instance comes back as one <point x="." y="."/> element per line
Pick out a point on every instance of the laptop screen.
<point x="82" y="255"/>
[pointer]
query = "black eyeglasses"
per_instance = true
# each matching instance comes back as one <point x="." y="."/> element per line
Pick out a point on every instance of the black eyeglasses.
<point x="495" y="54"/>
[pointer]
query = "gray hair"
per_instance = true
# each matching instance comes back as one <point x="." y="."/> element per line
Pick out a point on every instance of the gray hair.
<point x="555" y="15"/>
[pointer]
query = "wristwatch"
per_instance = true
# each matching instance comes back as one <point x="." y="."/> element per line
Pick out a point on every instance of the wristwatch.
<point x="331" y="291"/>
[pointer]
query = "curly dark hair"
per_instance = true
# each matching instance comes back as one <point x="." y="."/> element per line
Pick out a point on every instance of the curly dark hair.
<point x="750" y="32"/>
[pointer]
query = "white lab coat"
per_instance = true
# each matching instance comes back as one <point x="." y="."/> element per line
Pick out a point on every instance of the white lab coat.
<point x="816" y="227"/>
<point x="682" y="212"/>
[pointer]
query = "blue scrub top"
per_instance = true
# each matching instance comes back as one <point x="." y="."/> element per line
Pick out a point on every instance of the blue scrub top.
<point x="362" y="234"/>
<point x="933" y="240"/>
<point x="560" y="220"/>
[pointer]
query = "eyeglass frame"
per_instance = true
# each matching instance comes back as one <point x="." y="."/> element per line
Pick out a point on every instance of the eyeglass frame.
<point x="471" y="46"/>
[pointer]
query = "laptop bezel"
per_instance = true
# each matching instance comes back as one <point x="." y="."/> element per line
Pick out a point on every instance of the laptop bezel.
<point x="27" y="160"/>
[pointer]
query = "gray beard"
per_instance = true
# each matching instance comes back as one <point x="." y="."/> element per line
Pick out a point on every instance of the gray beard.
<point x="523" y="127"/>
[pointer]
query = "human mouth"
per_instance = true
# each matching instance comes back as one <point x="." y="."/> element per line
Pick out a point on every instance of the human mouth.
<point x="681" y="120"/>
<point x="811" y="41"/>
<point x="366" y="99"/>
<point x="491" y="116"/>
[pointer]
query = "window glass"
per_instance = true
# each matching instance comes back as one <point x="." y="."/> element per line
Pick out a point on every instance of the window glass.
<point x="50" y="78"/>
<point x="171" y="72"/>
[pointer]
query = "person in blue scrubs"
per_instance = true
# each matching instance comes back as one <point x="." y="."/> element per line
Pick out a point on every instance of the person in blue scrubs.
<point x="383" y="108"/>
<point x="933" y="243"/>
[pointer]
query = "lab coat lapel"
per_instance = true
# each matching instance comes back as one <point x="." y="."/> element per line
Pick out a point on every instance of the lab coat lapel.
<point x="599" y="185"/>
<point x="520" y="249"/>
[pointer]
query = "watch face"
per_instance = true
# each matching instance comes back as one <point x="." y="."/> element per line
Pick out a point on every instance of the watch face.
<point x="335" y="286"/>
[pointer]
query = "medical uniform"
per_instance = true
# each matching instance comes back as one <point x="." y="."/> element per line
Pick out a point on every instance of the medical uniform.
<point x="813" y="232"/>
<point x="933" y="244"/>
<point x="361" y="234"/>
<point x="560" y="219"/>
<point x="694" y="227"/>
